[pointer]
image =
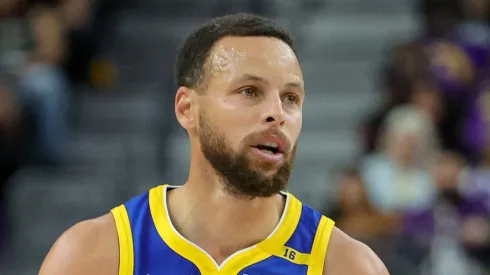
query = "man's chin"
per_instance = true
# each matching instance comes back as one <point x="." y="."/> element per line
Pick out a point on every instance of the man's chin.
<point x="270" y="173"/>
<point x="265" y="171"/>
<point x="265" y="168"/>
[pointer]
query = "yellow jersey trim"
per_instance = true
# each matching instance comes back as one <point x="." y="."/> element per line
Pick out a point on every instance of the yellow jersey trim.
<point x="166" y="231"/>
<point x="266" y="248"/>
<point x="320" y="246"/>
<point x="125" y="237"/>
<point x="236" y="262"/>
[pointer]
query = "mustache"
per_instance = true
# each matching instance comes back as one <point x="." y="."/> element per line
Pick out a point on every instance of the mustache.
<point x="251" y="138"/>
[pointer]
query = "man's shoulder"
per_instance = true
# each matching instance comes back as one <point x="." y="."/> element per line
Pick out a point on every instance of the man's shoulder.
<point x="89" y="247"/>
<point x="348" y="256"/>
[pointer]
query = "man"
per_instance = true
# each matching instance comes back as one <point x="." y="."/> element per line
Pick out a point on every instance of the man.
<point x="240" y="98"/>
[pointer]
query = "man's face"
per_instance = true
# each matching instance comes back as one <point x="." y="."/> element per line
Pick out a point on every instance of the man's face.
<point x="250" y="114"/>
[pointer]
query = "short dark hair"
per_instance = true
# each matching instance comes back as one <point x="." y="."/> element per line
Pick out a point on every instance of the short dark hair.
<point x="192" y="57"/>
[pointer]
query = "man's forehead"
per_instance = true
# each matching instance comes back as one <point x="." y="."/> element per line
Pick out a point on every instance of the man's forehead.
<point x="254" y="47"/>
<point x="237" y="53"/>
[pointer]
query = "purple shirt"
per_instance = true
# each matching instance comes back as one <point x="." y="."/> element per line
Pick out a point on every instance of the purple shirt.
<point x="477" y="189"/>
<point x="475" y="194"/>
<point x="470" y="46"/>
<point x="474" y="37"/>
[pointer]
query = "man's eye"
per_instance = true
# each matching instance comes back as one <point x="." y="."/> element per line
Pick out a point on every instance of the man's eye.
<point x="291" y="99"/>
<point x="251" y="92"/>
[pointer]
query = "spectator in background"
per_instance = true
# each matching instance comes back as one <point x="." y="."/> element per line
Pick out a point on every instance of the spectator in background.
<point x="9" y="123"/>
<point x="32" y="52"/>
<point x="453" y="72"/>
<point x="459" y="62"/>
<point x="9" y="145"/>
<point x="397" y="175"/>
<point x="354" y="214"/>
<point x="44" y="87"/>
<point x="474" y="33"/>
<point x="475" y="231"/>
<point x="406" y="64"/>
<point x="453" y="55"/>
<point x="10" y="139"/>
<point x="473" y="131"/>
<point x="451" y="222"/>
<point x="426" y="97"/>
<point x="439" y="17"/>
<point x="410" y="62"/>
<point x="44" y="45"/>
<point x="444" y="77"/>
<point x="75" y="15"/>
<point x="454" y="63"/>
<point x="84" y="22"/>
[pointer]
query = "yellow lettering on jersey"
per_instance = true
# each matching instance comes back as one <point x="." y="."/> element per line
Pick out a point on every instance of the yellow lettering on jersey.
<point x="294" y="256"/>
<point x="290" y="254"/>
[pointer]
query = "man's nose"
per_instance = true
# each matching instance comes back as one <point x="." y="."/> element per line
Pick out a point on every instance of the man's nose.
<point x="274" y="113"/>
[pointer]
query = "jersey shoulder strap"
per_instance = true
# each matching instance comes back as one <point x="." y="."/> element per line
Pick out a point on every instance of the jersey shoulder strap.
<point x="125" y="237"/>
<point x="320" y="246"/>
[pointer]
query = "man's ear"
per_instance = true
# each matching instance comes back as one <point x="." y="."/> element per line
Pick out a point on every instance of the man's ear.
<point x="184" y="105"/>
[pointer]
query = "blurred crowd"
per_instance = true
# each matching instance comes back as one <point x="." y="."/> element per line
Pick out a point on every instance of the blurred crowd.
<point x="420" y="194"/>
<point x="47" y="47"/>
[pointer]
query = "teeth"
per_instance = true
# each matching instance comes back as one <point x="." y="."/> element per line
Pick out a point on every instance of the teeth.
<point x="270" y="144"/>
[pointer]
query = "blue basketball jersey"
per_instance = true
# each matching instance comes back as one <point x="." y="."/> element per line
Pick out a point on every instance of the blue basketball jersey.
<point x="150" y="245"/>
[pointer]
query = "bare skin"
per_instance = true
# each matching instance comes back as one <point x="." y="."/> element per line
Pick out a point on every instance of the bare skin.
<point x="253" y="84"/>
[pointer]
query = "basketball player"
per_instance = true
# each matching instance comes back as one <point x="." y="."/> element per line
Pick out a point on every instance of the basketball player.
<point x="240" y="99"/>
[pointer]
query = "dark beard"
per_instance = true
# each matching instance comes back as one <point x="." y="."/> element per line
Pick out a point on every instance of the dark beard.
<point x="235" y="169"/>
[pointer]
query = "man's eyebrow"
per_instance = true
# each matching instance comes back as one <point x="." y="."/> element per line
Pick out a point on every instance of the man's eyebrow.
<point x="294" y="84"/>
<point x="253" y="78"/>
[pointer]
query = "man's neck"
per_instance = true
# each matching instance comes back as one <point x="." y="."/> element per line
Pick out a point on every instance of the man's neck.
<point x="221" y="224"/>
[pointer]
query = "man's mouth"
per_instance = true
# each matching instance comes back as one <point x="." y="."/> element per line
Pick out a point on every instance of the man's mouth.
<point x="269" y="147"/>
